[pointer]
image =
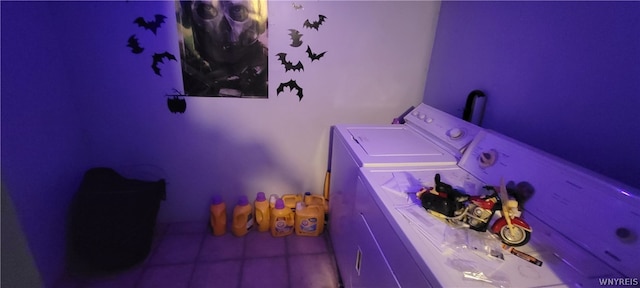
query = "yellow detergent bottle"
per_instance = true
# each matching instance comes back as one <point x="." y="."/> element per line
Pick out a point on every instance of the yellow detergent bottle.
<point x="290" y="201"/>
<point x="309" y="220"/>
<point x="262" y="212"/>
<point x="218" y="217"/>
<point x="282" y="220"/>
<point x="311" y="199"/>
<point x="242" y="217"/>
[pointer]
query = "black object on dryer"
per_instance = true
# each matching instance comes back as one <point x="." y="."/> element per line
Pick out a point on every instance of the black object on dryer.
<point x="474" y="107"/>
<point x="445" y="200"/>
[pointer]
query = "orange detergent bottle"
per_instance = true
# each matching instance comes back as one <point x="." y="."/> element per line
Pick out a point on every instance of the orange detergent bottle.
<point x="218" y="217"/>
<point x="309" y="220"/>
<point x="282" y="220"/>
<point x="242" y="217"/>
<point x="262" y="212"/>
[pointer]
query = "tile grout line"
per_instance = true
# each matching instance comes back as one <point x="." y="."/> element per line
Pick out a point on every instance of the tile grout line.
<point x="196" y="261"/>
<point x="155" y="246"/>
<point x="257" y="257"/>
<point x="287" y="262"/>
<point x="243" y="260"/>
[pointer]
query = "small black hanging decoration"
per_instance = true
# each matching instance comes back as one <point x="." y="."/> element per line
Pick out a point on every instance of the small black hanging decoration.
<point x="175" y="103"/>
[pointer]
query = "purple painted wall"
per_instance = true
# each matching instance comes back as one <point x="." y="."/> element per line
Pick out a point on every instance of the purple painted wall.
<point x="43" y="152"/>
<point x="562" y="76"/>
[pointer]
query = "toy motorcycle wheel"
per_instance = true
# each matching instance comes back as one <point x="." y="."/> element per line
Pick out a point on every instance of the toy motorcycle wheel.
<point x="519" y="236"/>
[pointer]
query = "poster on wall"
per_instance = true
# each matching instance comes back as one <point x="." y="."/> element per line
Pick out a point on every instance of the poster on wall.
<point x="223" y="47"/>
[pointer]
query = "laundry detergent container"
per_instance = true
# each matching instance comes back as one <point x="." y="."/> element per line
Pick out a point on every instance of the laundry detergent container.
<point x="113" y="219"/>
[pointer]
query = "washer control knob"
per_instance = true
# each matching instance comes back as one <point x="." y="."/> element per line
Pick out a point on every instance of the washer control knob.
<point x="626" y="235"/>
<point x="488" y="158"/>
<point x="421" y="116"/>
<point x="428" y="120"/>
<point x="455" y="133"/>
<point x="415" y="113"/>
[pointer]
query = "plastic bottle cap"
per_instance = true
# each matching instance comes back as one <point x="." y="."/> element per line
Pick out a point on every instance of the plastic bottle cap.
<point x="243" y="200"/>
<point x="261" y="197"/>
<point x="217" y="199"/>
<point x="279" y="204"/>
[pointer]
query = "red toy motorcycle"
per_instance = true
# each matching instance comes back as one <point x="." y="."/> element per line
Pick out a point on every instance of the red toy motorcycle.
<point x="476" y="212"/>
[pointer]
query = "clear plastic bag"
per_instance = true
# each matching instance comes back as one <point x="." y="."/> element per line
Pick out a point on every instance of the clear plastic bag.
<point x="474" y="271"/>
<point x="458" y="236"/>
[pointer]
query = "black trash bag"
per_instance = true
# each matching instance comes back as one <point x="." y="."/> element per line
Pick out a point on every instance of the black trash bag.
<point x="113" y="219"/>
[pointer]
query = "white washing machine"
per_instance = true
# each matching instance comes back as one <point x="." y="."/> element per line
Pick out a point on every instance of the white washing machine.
<point x="586" y="227"/>
<point x="429" y="137"/>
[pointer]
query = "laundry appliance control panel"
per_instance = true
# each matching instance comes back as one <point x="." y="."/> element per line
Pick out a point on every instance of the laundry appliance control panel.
<point x="452" y="131"/>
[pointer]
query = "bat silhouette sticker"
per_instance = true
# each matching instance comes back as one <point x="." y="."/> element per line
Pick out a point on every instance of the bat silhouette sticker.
<point x="152" y="25"/>
<point x="314" y="24"/>
<point x="134" y="45"/>
<point x="314" y="56"/>
<point x="159" y="58"/>
<point x="295" y="38"/>
<point x="292" y="84"/>
<point x="289" y="65"/>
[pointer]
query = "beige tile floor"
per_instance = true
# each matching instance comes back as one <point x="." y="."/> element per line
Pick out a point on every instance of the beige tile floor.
<point x="187" y="255"/>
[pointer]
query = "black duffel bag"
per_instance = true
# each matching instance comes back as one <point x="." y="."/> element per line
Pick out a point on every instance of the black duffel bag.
<point x="113" y="219"/>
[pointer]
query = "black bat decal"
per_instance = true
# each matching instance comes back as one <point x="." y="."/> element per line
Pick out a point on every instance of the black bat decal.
<point x="135" y="45"/>
<point x="315" y="24"/>
<point x="158" y="58"/>
<point x="151" y="25"/>
<point x="292" y="84"/>
<point x="314" y="56"/>
<point x="289" y="65"/>
<point x="295" y="37"/>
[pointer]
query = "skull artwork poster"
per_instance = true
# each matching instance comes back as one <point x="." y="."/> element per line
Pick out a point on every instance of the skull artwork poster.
<point x="223" y="47"/>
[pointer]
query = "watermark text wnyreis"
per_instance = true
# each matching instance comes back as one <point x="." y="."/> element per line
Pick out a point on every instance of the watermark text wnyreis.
<point x="618" y="282"/>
